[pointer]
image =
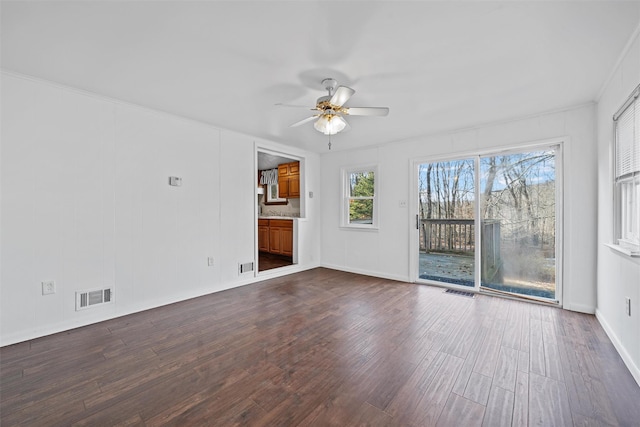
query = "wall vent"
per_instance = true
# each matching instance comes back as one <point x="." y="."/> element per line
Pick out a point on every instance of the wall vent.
<point x="461" y="293"/>
<point x="246" y="267"/>
<point x="93" y="297"/>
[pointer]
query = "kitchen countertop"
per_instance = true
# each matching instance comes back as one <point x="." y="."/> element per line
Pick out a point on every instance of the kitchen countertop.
<point x="277" y="217"/>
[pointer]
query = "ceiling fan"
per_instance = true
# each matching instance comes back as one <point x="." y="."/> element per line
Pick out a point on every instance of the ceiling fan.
<point x="331" y="110"/>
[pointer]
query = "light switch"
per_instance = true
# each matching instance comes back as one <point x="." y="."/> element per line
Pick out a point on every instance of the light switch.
<point x="48" y="287"/>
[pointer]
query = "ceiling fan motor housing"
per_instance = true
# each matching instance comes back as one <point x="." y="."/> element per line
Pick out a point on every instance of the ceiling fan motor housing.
<point x="330" y="85"/>
<point x="322" y="99"/>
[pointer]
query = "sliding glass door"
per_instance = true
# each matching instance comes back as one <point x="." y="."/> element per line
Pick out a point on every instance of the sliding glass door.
<point x="447" y="205"/>
<point x="507" y="202"/>
<point x="518" y="217"/>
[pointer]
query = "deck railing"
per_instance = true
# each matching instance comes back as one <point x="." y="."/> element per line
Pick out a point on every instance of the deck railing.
<point x="448" y="235"/>
<point x="458" y="236"/>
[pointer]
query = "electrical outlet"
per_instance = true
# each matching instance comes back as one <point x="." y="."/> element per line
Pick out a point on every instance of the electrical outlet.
<point x="402" y="203"/>
<point x="210" y="261"/>
<point x="48" y="287"/>
<point x="627" y="305"/>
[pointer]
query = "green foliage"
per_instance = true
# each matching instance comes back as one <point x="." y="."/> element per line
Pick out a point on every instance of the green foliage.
<point x="361" y="185"/>
<point x="361" y="211"/>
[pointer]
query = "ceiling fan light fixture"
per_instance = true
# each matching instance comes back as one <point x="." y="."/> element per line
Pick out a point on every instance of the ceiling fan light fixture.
<point x="330" y="108"/>
<point x="330" y="124"/>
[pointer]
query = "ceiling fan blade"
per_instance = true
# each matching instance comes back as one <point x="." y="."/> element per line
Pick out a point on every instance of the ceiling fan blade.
<point x="347" y="128"/>
<point x="294" y="106"/>
<point x="367" y="111"/>
<point x="303" y="121"/>
<point x="341" y="95"/>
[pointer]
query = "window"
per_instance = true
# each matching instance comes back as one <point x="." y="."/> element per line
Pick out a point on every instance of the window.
<point x="627" y="174"/>
<point x="359" y="207"/>
<point x="272" y="194"/>
<point x="269" y="178"/>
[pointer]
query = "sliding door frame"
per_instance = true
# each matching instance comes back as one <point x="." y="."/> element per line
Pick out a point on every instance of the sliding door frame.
<point x="557" y="144"/>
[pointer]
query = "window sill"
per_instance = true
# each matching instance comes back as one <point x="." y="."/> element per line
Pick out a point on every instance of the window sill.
<point x="623" y="250"/>
<point x="356" y="228"/>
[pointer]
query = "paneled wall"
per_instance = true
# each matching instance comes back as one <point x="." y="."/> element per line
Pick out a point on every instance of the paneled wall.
<point x="386" y="252"/>
<point x="618" y="275"/>
<point x="86" y="203"/>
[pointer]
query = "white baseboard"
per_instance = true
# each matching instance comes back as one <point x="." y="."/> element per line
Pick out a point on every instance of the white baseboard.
<point x="626" y="357"/>
<point x="113" y="312"/>
<point x="366" y="272"/>
<point x="579" y="308"/>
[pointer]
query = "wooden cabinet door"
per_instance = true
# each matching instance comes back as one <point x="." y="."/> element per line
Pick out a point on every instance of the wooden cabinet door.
<point x="283" y="187"/>
<point x="286" y="240"/>
<point x="275" y="245"/>
<point x="294" y="186"/>
<point x="263" y="238"/>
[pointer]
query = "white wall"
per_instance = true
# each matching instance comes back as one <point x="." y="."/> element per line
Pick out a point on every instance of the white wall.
<point x="386" y="252"/>
<point x="86" y="203"/>
<point x="618" y="275"/>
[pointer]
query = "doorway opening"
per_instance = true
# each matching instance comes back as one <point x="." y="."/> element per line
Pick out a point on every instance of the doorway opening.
<point x="489" y="222"/>
<point x="278" y="208"/>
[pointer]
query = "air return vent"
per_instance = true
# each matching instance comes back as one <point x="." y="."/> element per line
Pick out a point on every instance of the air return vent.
<point x="93" y="297"/>
<point x="246" y="267"/>
<point x="461" y="293"/>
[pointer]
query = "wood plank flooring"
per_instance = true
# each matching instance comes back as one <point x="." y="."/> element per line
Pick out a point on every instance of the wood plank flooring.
<point x="267" y="261"/>
<point x="322" y="348"/>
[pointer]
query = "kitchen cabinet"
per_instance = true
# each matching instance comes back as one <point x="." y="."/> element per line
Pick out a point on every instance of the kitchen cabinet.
<point x="289" y="180"/>
<point x="263" y="235"/>
<point x="276" y="236"/>
<point x="275" y="246"/>
<point x="286" y="241"/>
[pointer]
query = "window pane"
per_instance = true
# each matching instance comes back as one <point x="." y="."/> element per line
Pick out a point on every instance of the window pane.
<point x="361" y="211"/>
<point x="361" y="184"/>
<point x="627" y="187"/>
<point x="447" y="225"/>
<point x="519" y="223"/>
<point x="630" y="210"/>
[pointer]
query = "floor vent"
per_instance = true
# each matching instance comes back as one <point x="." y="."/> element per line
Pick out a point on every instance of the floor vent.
<point x="93" y="297"/>
<point x="461" y="293"/>
<point x="246" y="267"/>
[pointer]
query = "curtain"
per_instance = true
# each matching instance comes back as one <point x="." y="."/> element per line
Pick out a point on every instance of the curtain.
<point x="269" y="177"/>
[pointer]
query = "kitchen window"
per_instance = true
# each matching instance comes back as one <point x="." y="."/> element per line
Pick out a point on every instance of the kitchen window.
<point x="627" y="175"/>
<point x="269" y="178"/>
<point x="359" y="201"/>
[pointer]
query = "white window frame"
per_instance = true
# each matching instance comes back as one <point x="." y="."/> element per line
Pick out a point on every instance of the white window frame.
<point x="346" y="197"/>
<point x="626" y="136"/>
<point x="269" y="188"/>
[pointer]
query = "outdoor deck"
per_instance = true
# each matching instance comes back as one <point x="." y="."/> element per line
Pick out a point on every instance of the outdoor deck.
<point x="447" y="248"/>
<point x="458" y="269"/>
<point x="449" y="268"/>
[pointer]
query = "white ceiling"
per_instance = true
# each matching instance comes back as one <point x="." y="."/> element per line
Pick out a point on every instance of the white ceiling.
<point x="438" y="65"/>
<point x="270" y="161"/>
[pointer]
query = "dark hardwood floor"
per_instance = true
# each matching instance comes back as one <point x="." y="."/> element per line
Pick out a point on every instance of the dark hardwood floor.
<point x="267" y="261"/>
<point x="324" y="347"/>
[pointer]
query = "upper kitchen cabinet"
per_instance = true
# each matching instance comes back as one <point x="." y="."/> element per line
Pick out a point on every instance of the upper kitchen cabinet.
<point x="289" y="180"/>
